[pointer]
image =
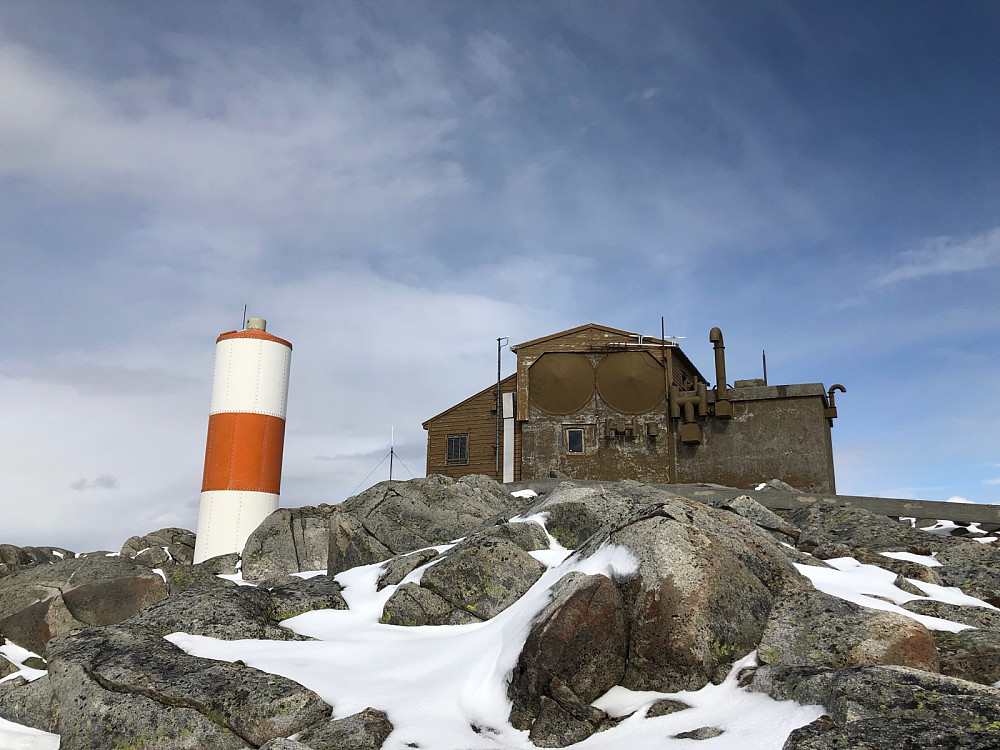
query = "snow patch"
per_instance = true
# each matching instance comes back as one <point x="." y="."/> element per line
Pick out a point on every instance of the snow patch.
<point x="927" y="560"/>
<point x="848" y="579"/>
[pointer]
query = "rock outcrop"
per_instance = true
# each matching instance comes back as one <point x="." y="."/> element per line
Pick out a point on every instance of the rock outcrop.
<point x="810" y="628"/>
<point x="574" y="653"/>
<point x="290" y="540"/>
<point x="119" y="682"/>
<point x="394" y="518"/>
<point x="161" y="547"/>
<point x="13" y="559"/>
<point x="713" y="580"/>
<point x="42" y="601"/>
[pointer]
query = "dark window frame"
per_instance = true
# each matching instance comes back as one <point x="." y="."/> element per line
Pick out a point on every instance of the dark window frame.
<point x="582" y="429"/>
<point x="457" y="449"/>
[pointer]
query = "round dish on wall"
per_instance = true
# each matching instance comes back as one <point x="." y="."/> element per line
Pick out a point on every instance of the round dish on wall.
<point x="560" y="382"/>
<point x="630" y="382"/>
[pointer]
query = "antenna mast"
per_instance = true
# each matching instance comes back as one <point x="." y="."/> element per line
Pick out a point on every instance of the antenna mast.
<point x="392" y="449"/>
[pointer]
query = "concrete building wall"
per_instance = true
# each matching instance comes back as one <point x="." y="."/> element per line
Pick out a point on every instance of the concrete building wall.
<point x="632" y="455"/>
<point x="777" y="432"/>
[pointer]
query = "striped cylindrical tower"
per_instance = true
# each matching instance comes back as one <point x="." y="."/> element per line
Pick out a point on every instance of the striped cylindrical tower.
<point x="246" y="434"/>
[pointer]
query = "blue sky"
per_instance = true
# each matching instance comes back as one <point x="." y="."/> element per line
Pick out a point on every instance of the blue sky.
<point x="394" y="185"/>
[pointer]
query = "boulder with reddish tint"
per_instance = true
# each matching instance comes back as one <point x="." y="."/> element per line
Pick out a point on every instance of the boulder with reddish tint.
<point x="46" y="600"/>
<point x="574" y="653"/>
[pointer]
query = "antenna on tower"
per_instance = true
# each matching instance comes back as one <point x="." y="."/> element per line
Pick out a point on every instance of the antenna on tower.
<point x="244" y="325"/>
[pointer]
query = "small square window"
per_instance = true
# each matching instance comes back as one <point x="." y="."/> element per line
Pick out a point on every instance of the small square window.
<point x="574" y="440"/>
<point x="458" y="449"/>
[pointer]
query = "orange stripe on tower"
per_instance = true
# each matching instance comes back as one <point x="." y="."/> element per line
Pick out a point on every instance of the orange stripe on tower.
<point x="243" y="453"/>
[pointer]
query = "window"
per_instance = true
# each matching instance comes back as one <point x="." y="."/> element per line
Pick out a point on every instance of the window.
<point x="574" y="440"/>
<point x="458" y="449"/>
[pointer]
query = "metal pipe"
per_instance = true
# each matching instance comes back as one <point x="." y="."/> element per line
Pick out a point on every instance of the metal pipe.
<point x="723" y="408"/>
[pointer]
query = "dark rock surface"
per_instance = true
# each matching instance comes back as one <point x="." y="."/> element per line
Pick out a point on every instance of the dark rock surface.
<point x="889" y="734"/>
<point x="711" y="575"/>
<point x="558" y="726"/>
<point x="156" y="548"/>
<point x="829" y="522"/>
<point x="283" y="743"/>
<point x="483" y="579"/>
<point x="665" y="707"/>
<point x="239" y="702"/>
<point x="411" y="605"/>
<point x="810" y="628"/>
<point x="884" y="692"/>
<point x="577" y="513"/>
<point x="6" y="668"/>
<point x="13" y="559"/>
<point x="229" y="613"/>
<point x="201" y="576"/>
<point x="298" y="596"/>
<point x="392" y="518"/>
<point x="290" y="540"/>
<point x="970" y="655"/>
<point x="574" y="653"/>
<point x="401" y="566"/>
<point x="757" y="514"/>
<point x="701" y="733"/>
<point x="366" y="730"/>
<point x="45" y="600"/>
<point x="28" y="703"/>
<point x="977" y="617"/>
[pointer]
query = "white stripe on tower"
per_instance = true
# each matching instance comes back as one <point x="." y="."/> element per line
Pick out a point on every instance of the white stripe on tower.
<point x="246" y="434"/>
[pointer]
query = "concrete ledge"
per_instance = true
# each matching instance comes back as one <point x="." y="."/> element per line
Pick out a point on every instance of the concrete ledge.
<point x="763" y="392"/>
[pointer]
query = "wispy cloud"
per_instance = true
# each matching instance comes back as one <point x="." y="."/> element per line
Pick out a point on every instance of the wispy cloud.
<point x="945" y="255"/>
<point x="103" y="482"/>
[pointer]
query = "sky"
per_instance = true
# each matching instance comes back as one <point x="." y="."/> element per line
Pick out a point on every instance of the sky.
<point x="395" y="185"/>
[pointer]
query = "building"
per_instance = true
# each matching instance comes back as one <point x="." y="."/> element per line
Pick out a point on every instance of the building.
<point x="595" y="402"/>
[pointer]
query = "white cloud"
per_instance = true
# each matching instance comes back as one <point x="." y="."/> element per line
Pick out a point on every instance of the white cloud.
<point x="945" y="255"/>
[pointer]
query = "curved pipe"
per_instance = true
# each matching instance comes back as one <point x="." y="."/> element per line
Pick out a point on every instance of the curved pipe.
<point x="829" y="393"/>
<point x="722" y="409"/>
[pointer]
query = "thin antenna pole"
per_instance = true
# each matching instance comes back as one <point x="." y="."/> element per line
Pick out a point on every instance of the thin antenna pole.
<point x="392" y="449"/>
<point x="763" y="358"/>
<point x="244" y="317"/>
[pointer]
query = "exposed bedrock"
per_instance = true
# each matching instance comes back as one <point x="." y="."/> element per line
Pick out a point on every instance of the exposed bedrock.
<point x="473" y="581"/>
<point x="40" y="602"/>
<point x="394" y="518"/>
<point x="290" y="540"/>
<point x="883" y="696"/>
<point x="114" y="684"/>
<point x="170" y="545"/>
<point x="810" y="628"/>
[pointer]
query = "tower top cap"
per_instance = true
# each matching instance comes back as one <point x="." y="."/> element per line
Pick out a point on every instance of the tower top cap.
<point x="256" y="324"/>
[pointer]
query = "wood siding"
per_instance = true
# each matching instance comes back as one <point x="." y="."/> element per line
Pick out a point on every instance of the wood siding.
<point x="473" y="417"/>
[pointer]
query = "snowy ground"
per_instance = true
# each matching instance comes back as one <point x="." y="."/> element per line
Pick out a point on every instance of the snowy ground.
<point x="444" y="688"/>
